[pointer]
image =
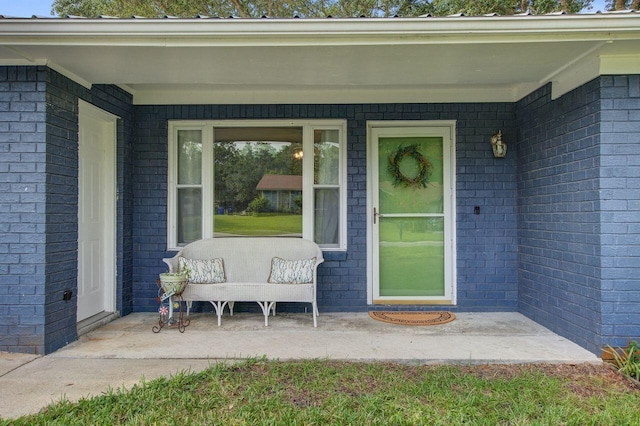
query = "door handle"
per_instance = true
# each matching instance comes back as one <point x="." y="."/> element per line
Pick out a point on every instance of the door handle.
<point x="376" y="215"/>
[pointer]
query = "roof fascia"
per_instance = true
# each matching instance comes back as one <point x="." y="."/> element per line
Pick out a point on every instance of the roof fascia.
<point x="264" y="32"/>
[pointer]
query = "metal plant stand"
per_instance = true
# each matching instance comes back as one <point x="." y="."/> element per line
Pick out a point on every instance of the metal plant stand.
<point x="167" y="311"/>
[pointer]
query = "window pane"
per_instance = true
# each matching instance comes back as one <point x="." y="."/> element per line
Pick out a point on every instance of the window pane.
<point x="258" y="181"/>
<point x="396" y="197"/>
<point x="189" y="157"/>
<point x="327" y="217"/>
<point x="189" y="215"/>
<point x="412" y="256"/>
<point x="326" y="157"/>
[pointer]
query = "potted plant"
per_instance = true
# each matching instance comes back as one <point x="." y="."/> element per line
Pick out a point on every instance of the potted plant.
<point x="174" y="282"/>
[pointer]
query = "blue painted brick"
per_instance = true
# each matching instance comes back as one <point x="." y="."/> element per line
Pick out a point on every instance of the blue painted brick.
<point x="44" y="210"/>
<point x="573" y="187"/>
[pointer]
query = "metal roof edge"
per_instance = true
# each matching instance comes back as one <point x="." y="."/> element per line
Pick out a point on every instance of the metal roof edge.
<point x="527" y="14"/>
<point x="79" y="31"/>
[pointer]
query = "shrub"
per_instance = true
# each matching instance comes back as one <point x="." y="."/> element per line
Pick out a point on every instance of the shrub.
<point x="258" y="205"/>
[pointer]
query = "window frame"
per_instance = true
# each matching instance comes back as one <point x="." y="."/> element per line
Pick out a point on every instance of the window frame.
<point x="207" y="127"/>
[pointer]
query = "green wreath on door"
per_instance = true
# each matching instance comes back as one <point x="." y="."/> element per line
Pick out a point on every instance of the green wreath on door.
<point x="424" y="167"/>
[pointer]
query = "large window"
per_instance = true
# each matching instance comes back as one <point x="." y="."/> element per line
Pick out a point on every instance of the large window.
<point x="246" y="178"/>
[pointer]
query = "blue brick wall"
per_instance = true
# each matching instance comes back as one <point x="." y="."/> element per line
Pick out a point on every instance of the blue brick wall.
<point x="579" y="221"/>
<point x="487" y="251"/>
<point x="62" y="207"/>
<point x="23" y="200"/>
<point x="558" y="212"/>
<point x="61" y="260"/>
<point x="620" y="208"/>
<point x="38" y="204"/>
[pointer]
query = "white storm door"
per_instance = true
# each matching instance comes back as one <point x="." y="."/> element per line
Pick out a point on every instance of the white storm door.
<point x="96" y="211"/>
<point x="412" y="215"/>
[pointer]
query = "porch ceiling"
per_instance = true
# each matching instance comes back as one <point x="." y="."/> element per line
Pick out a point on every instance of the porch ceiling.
<point x="347" y="60"/>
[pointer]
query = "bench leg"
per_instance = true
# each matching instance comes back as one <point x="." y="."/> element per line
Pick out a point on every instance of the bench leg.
<point x="230" y="304"/>
<point x="266" y="308"/>
<point x="314" y="306"/>
<point x="219" y="308"/>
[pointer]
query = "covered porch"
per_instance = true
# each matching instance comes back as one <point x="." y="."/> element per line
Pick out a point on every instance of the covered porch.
<point x="549" y="232"/>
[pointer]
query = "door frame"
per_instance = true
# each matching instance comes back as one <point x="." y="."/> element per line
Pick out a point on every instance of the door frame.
<point x="450" y="237"/>
<point x="86" y="109"/>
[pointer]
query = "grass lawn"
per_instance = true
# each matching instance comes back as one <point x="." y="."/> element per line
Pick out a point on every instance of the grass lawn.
<point x="258" y="392"/>
<point x="265" y="224"/>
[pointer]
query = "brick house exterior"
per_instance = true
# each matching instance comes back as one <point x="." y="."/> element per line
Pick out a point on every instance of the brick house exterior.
<point x="558" y="238"/>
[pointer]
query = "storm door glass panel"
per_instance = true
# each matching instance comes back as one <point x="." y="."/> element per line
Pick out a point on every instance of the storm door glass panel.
<point x="257" y="181"/>
<point x="411" y="217"/>
<point x="326" y="179"/>
<point x="189" y="186"/>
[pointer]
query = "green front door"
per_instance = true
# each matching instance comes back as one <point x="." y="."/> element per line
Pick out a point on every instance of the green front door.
<point x="411" y="221"/>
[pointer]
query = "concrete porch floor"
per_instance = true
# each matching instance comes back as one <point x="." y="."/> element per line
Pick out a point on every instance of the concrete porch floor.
<point x="124" y="351"/>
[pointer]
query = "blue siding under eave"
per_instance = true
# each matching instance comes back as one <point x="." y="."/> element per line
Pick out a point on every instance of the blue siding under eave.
<point x="486" y="246"/>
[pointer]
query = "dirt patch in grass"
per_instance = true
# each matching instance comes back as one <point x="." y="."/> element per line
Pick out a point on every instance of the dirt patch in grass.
<point x="585" y="380"/>
<point x="582" y="380"/>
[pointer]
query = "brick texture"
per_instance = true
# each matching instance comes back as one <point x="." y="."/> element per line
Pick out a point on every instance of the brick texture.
<point x="579" y="221"/>
<point x="558" y="204"/>
<point x="23" y="202"/>
<point x="39" y="204"/>
<point x="620" y="208"/>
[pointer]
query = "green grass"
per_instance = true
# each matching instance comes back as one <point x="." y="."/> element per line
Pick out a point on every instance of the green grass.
<point x="340" y="393"/>
<point x="264" y="224"/>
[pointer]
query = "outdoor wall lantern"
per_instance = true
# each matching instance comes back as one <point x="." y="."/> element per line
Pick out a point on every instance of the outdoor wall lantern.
<point x="499" y="147"/>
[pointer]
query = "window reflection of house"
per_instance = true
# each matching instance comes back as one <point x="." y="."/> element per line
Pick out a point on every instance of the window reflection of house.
<point x="284" y="192"/>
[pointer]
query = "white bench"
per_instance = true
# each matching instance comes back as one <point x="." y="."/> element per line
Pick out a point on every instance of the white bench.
<point x="247" y="265"/>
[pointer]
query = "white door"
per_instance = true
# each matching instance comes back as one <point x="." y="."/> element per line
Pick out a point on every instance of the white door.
<point x="96" y="211"/>
<point x="412" y="217"/>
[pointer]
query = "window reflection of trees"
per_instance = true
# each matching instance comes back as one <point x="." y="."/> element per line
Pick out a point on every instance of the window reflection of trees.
<point x="239" y="165"/>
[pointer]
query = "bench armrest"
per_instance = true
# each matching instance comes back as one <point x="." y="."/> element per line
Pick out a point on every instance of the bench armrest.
<point x="172" y="262"/>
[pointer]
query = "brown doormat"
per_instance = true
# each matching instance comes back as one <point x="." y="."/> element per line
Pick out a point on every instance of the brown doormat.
<point x="413" y="318"/>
